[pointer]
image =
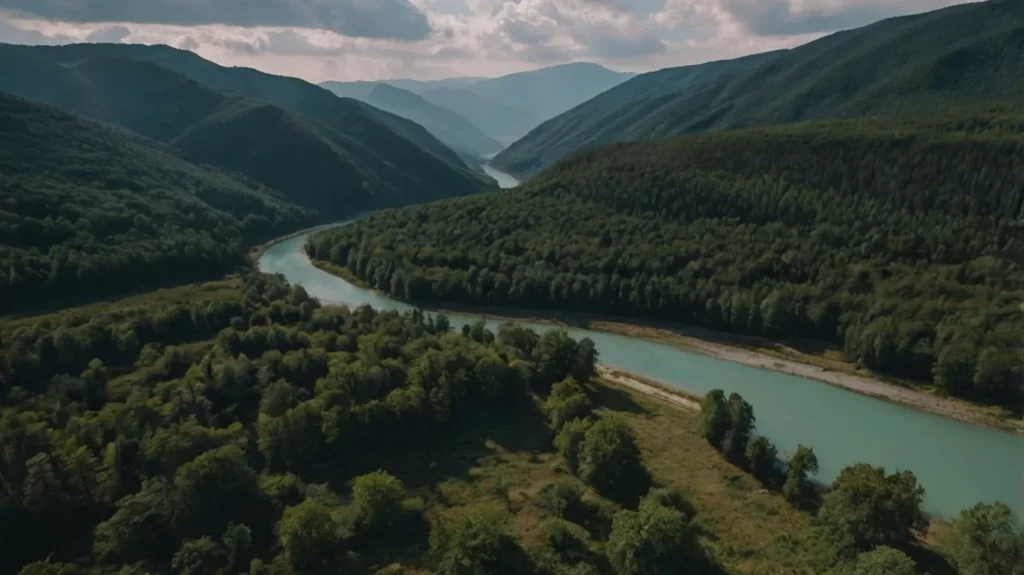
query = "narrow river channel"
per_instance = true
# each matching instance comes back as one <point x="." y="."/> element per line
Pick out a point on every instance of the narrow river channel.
<point x="957" y="463"/>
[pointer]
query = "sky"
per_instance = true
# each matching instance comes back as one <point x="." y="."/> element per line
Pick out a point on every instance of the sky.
<point x="430" y="39"/>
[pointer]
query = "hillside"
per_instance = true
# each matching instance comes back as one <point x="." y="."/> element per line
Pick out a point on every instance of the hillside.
<point x="90" y="209"/>
<point x="901" y="243"/>
<point x="450" y="128"/>
<point x="369" y="158"/>
<point x="894" y="67"/>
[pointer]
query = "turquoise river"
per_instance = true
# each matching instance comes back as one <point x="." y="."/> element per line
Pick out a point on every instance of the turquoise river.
<point x="957" y="463"/>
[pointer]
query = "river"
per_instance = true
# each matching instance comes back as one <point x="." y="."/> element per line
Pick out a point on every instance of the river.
<point x="957" y="463"/>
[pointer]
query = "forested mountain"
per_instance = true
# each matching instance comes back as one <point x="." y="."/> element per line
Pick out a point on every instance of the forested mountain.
<point x="894" y="67"/>
<point x="453" y="130"/>
<point x="88" y="208"/>
<point x="335" y="155"/>
<point x="900" y="241"/>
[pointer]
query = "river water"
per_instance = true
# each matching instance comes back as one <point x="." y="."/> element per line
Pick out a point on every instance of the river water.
<point x="957" y="463"/>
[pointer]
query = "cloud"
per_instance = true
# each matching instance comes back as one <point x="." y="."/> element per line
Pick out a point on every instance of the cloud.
<point x="112" y="35"/>
<point x="788" y="17"/>
<point x="395" y="19"/>
<point x="12" y="34"/>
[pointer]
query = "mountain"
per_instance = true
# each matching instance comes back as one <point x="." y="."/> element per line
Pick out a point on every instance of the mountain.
<point x="502" y="122"/>
<point x="898" y="241"/>
<point x="894" y="67"/>
<point x="89" y="207"/>
<point x="508" y="107"/>
<point x="334" y="155"/>
<point x="550" y="91"/>
<point x="453" y="130"/>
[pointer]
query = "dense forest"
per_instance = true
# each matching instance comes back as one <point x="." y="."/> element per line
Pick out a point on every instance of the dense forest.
<point x="253" y="432"/>
<point x="901" y="242"/>
<point x="896" y="67"/>
<point x="336" y="156"/>
<point x="88" y="209"/>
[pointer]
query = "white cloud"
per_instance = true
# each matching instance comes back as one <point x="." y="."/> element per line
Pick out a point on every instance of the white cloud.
<point x="454" y="37"/>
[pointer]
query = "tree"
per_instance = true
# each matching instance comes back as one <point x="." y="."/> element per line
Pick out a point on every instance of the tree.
<point x="983" y="540"/>
<point x="609" y="459"/>
<point x="568" y="441"/>
<point x="202" y="556"/>
<point x="715" y="417"/>
<point x="236" y="539"/>
<point x="48" y="567"/>
<point x="308" y="533"/>
<point x="654" y="540"/>
<point x="477" y="544"/>
<point x="803" y="463"/>
<point x="378" y="499"/>
<point x="879" y="561"/>
<point x="741" y="418"/>
<point x="870" y="509"/>
<point x="762" y="457"/>
<point x="218" y="487"/>
<point x="567" y="401"/>
<point x="584" y="367"/>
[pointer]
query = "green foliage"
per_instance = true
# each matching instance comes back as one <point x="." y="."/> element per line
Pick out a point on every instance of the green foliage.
<point x="567" y="401"/>
<point x="798" y="488"/>
<point x="609" y="459"/>
<point x="762" y="458"/>
<point x="222" y="420"/>
<point x="378" y="498"/>
<point x="568" y="441"/>
<point x="869" y="508"/>
<point x="984" y="540"/>
<point x="47" y="567"/>
<point x="564" y="499"/>
<point x="898" y="241"/>
<point x="879" y="561"/>
<point x="727" y="424"/>
<point x="309" y="534"/>
<point x="201" y="556"/>
<point x="891" y="68"/>
<point x="477" y="544"/>
<point x="654" y="540"/>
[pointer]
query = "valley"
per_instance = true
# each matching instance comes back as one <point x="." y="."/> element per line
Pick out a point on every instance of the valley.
<point x="487" y="289"/>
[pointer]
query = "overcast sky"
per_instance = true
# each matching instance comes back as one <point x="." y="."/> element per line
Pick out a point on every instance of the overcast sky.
<point x="426" y="39"/>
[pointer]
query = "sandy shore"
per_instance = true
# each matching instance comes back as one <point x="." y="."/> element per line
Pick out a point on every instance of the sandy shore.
<point x="625" y="379"/>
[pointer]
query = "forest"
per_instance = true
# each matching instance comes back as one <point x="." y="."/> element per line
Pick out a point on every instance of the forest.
<point x="248" y="429"/>
<point x="88" y="209"/>
<point x="901" y="242"/>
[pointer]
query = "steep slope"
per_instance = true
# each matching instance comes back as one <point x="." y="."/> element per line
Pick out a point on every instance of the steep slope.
<point x="453" y="130"/>
<point x="900" y="241"/>
<point x="550" y="91"/>
<point x="339" y="172"/>
<point x="894" y="67"/>
<point x="501" y="122"/>
<point x="400" y="142"/>
<point x="87" y="208"/>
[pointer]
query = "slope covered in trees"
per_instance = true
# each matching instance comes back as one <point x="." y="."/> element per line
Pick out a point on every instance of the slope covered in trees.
<point x="900" y="242"/>
<point x="334" y="155"/>
<point x="240" y="427"/>
<point x="455" y="131"/>
<point x="87" y="208"/>
<point x="894" y="67"/>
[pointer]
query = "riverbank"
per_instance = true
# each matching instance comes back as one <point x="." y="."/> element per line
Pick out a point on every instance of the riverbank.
<point x="807" y="359"/>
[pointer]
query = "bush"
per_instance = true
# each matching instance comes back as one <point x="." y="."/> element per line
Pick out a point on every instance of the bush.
<point x="568" y="441"/>
<point x="609" y="459"/>
<point x="564" y="499"/>
<point x="880" y="561"/>
<point x="477" y="544"/>
<point x="378" y="498"/>
<point x="653" y="541"/>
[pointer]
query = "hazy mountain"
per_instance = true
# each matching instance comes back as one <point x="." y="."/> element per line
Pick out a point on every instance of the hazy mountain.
<point x="508" y="107"/>
<point x="453" y="130"/>
<point x="358" y="158"/>
<point x="893" y="67"/>
<point x="502" y="122"/>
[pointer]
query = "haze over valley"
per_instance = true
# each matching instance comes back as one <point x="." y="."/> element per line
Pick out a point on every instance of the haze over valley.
<point x="554" y="287"/>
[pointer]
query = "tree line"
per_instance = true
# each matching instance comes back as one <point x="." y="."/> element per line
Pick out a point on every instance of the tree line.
<point x="898" y="242"/>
